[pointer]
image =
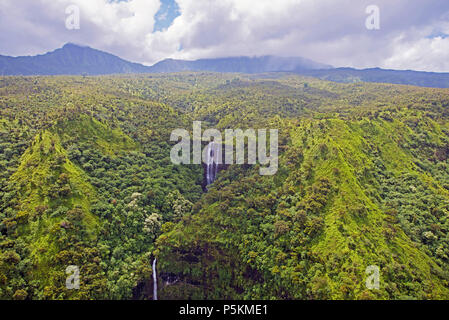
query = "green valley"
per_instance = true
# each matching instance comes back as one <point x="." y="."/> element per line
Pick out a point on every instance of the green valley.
<point x="86" y="180"/>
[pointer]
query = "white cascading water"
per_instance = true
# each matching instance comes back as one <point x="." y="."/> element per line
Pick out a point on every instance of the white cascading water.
<point x="154" y="280"/>
<point x="211" y="163"/>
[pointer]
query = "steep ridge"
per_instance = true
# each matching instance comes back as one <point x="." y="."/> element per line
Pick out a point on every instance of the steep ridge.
<point x="311" y="231"/>
<point x="54" y="198"/>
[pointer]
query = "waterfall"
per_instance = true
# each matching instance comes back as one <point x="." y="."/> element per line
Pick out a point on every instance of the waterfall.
<point x="212" y="155"/>
<point x="154" y="280"/>
<point x="209" y="163"/>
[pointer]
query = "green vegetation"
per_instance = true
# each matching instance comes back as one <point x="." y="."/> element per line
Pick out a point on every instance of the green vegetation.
<point x="86" y="180"/>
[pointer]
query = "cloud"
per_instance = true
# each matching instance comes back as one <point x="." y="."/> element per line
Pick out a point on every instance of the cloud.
<point x="422" y="54"/>
<point x="36" y="26"/>
<point x="411" y="34"/>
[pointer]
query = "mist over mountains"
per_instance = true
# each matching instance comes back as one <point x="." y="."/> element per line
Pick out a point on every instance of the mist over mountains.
<point x="240" y="64"/>
<point x="73" y="59"/>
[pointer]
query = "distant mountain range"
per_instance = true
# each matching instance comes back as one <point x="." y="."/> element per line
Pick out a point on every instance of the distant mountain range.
<point x="406" y="77"/>
<point x="74" y="59"/>
<point x="71" y="59"/>
<point x="240" y="64"/>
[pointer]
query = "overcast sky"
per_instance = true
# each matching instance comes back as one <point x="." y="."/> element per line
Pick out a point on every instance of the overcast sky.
<point x="413" y="34"/>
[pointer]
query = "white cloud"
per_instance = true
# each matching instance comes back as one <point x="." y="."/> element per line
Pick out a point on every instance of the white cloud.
<point x="328" y="31"/>
<point x="36" y="26"/>
<point x="423" y="54"/>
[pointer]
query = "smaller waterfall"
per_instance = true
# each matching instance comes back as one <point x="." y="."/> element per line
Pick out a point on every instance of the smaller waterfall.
<point x="212" y="154"/>
<point x="154" y="280"/>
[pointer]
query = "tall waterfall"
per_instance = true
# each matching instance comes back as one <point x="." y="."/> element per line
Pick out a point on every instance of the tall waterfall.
<point x="154" y="280"/>
<point x="212" y="155"/>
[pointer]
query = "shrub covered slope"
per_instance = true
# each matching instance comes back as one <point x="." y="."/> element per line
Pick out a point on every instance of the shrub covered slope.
<point x="86" y="180"/>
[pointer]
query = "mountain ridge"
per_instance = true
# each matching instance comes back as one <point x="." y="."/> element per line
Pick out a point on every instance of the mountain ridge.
<point x="71" y="59"/>
<point x="87" y="60"/>
<point x="261" y="64"/>
<point x="76" y="59"/>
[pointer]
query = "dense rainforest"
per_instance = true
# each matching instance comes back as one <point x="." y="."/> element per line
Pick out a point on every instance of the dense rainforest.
<point x="86" y="180"/>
